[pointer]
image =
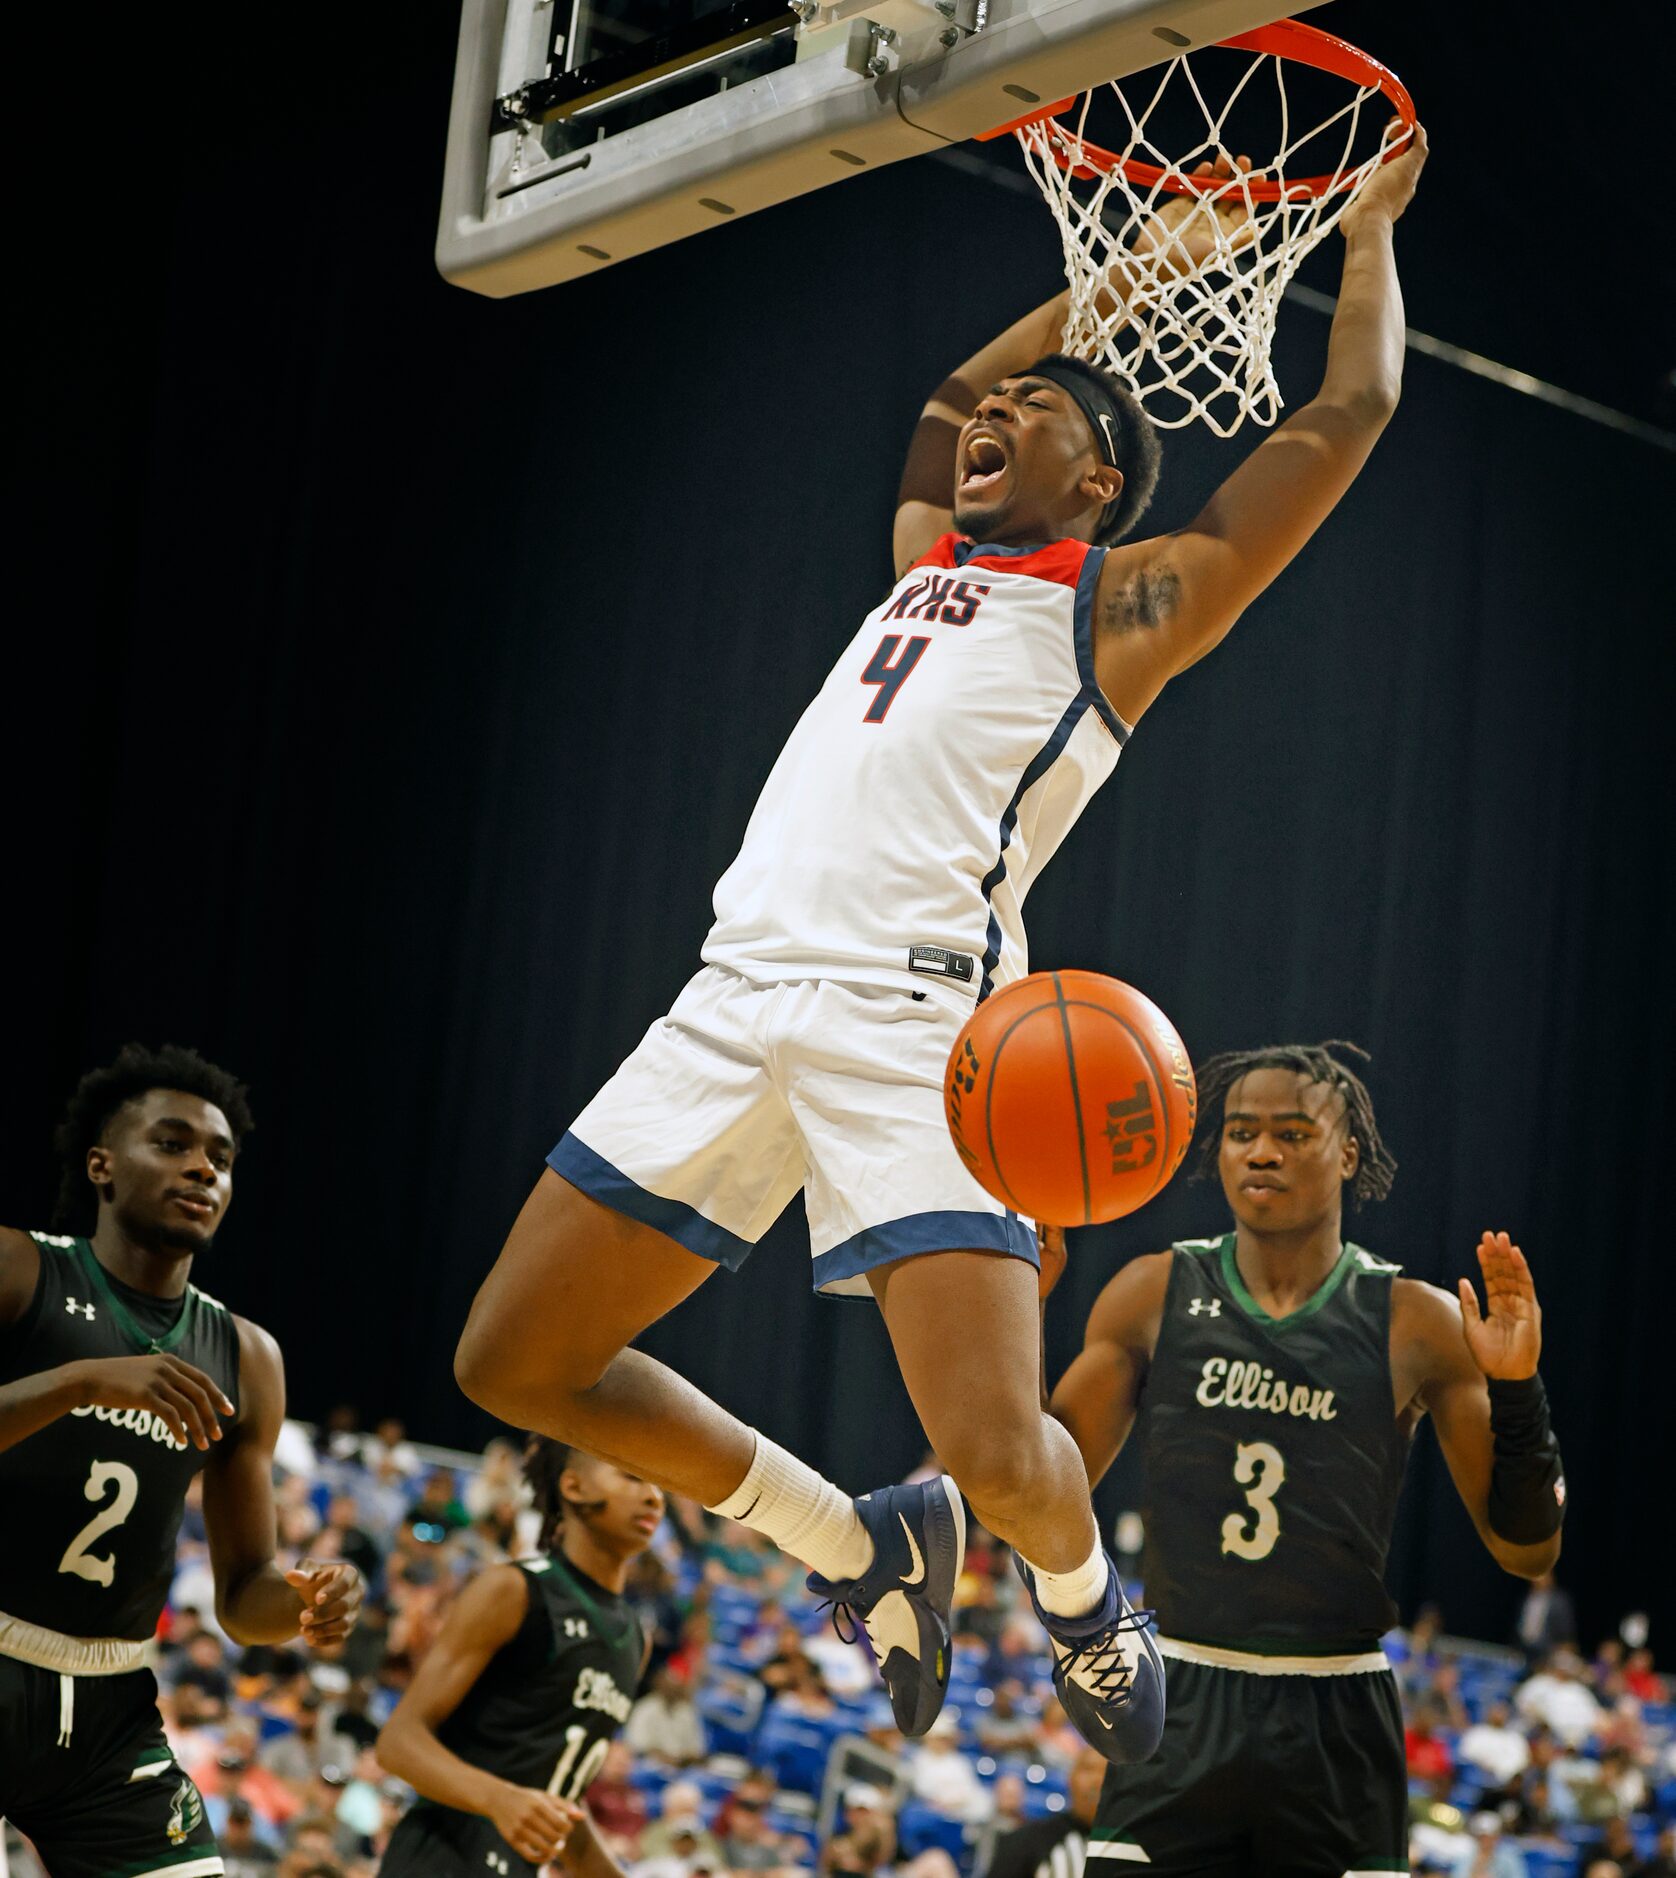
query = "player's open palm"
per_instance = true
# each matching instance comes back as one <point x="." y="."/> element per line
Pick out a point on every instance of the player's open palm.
<point x="535" y="1825"/>
<point x="187" y="1402"/>
<point x="1505" y="1338"/>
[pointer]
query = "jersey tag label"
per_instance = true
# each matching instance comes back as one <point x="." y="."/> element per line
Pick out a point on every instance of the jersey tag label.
<point x="939" y="962"/>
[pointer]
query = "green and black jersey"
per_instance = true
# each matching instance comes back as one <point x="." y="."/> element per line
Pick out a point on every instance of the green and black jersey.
<point x="549" y="1701"/>
<point x="1273" y="1460"/>
<point x="94" y="1499"/>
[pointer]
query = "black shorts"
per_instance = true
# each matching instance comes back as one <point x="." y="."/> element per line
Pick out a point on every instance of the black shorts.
<point x="112" y="1800"/>
<point x="1262" y="1776"/>
<point x="437" y="1842"/>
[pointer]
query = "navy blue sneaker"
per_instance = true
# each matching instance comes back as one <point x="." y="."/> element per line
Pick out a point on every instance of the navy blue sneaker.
<point x="1107" y="1673"/>
<point x="903" y="1598"/>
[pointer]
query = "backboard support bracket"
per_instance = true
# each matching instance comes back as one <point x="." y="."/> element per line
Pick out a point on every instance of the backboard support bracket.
<point x="516" y="217"/>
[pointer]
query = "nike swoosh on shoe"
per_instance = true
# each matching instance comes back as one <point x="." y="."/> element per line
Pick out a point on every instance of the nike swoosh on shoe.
<point x="917" y="1575"/>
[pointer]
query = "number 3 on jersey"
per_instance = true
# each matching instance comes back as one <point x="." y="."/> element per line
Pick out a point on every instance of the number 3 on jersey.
<point x="888" y="668"/>
<point x="1260" y="1470"/>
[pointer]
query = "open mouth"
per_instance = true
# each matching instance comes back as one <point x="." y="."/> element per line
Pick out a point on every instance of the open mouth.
<point x="983" y="463"/>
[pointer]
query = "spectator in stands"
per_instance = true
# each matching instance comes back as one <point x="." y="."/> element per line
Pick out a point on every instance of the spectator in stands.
<point x="804" y="1694"/>
<point x="297" y="1755"/>
<point x="498" y="1482"/>
<point x="867" y="1843"/>
<point x="349" y="1539"/>
<point x="750" y="1843"/>
<point x="243" y="1854"/>
<point x="1495" y="1749"/>
<point x="1615" y="1844"/>
<point x="1490" y="1855"/>
<point x="664" y="1726"/>
<point x="1663" y="1862"/>
<point x="1445" y="1692"/>
<point x="1558" y="1697"/>
<point x="784" y="1660"/>
<point x="202" y="1685"/>
<point x="1428" y="1752"/>
<point x="617" y="1804"/>
<point x="1546" y="1619"/>
<point x="1640" y="1680"/>
<point x="437" y="1512"/>
<point x="1056" y="1846"/>
<point x="1416" y="1653"/>
<point x="1004" y="1728"/>
<point x="1007" y="1803"/>
<point x="944" y="1778"/>
<point x="756" y="1787"/>
<point x="1601" y="1868"/>
<point x="679" y="1830"/>
<point x="388" y="1446"/>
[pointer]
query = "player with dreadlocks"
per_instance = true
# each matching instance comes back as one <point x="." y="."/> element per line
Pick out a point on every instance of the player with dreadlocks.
<point x="121" y="1381"/>
<point x="1279" y="1373"/>
<point x="507" y="1721"/>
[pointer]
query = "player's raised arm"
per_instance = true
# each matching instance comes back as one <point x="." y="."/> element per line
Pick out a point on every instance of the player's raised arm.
<point x="255" y="1601"/>
<point x="1166" y="602"/>
<point x="925" y="499"/>
<point x="483" y="1620"/>
<point x="1491" y="1412"/>
<point x="1098" y="1395"/>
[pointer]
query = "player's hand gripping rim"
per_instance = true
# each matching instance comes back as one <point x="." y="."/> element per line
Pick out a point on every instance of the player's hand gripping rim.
<point x="1505" y="1338"/>
<point x="331" y="1591"/>
<point x="186" y="1401"/>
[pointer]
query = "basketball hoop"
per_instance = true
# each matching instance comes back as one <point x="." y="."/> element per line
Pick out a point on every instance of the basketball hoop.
<point x="1201" y="284"/>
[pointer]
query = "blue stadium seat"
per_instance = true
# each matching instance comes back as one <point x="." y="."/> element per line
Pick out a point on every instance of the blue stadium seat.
<point x="920" y="1828"/>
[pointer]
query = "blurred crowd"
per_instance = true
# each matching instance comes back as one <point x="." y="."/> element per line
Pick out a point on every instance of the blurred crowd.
<point x="762" y="1742"/>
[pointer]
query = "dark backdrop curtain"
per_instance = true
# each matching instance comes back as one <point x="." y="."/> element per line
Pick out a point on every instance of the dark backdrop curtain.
<point x="397" y="671"/>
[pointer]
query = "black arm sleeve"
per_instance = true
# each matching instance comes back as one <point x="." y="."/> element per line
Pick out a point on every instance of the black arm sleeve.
<point x="1527" y="1484"/>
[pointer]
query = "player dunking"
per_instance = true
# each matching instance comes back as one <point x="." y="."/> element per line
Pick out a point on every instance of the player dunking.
<point x="878" y="893"/>
<point x="119" y="1381"/>
<point x="1279" y="1374"/>
<point x="506" y="1724"/>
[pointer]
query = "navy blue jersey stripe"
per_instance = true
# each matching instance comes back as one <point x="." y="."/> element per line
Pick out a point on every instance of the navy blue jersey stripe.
<point x="1087" y="584"/>
<point x="1035" y="770"/>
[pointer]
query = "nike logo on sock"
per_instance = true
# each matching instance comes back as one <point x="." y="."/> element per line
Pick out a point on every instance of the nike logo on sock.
<point x="917" y="1575"/>
<point x="749" y="1510"/>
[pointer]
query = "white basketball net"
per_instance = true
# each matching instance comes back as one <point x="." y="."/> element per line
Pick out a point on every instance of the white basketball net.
<point x="1191" y="335"/>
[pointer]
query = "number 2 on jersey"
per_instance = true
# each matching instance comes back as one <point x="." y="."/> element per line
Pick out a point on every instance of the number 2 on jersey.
<point x="77" y="1559"/>
<point x="888" y="669"/>
<point x="569" y="1781"/>
<point x="1260" y="1470"/>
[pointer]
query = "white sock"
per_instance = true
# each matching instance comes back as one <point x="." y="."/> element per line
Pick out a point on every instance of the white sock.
<point x="802" y="1513"/>
<point x="1073" y="1593"/>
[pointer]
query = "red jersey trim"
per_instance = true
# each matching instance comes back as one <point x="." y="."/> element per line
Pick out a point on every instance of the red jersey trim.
<point x="1060" y="562"/>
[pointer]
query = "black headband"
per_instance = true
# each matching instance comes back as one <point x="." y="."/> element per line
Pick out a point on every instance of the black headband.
<point x="1090" y="397"/>
<point x="1096" y="404"/>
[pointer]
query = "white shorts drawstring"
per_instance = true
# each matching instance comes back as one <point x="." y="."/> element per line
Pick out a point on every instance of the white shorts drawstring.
<point x="66" y="1709"/>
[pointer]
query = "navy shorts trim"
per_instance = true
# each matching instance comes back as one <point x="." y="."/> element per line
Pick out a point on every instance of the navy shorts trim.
<point x="926" y="1232"/>
<point x="576" y="1162"/>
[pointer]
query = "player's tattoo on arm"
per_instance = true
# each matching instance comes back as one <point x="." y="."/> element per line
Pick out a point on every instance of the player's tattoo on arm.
<point x="1150" y="597"/>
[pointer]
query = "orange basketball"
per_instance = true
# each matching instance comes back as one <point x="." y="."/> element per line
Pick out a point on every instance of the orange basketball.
<point x="1070" y="1097"/>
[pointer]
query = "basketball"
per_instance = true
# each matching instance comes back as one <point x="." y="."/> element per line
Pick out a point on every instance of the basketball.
<point x="1070" y="1097"/>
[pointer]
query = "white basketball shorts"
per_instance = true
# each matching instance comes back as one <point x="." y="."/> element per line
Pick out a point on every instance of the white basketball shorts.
<point x="744" y="1093"/>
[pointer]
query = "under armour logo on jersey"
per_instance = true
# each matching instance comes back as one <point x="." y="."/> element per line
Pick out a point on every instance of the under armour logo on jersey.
<point x="576" y="1626"/>
<point x="72" y="1305"/>
<point x="495" y="1862"/>
<point x="1212" y="1307"/>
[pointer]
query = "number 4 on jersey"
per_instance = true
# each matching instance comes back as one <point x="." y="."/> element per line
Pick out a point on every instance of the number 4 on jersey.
<point x="889" y="669"/>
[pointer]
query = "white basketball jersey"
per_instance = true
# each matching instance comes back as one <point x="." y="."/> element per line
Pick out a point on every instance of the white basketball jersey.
<point x="942" y="763"/>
